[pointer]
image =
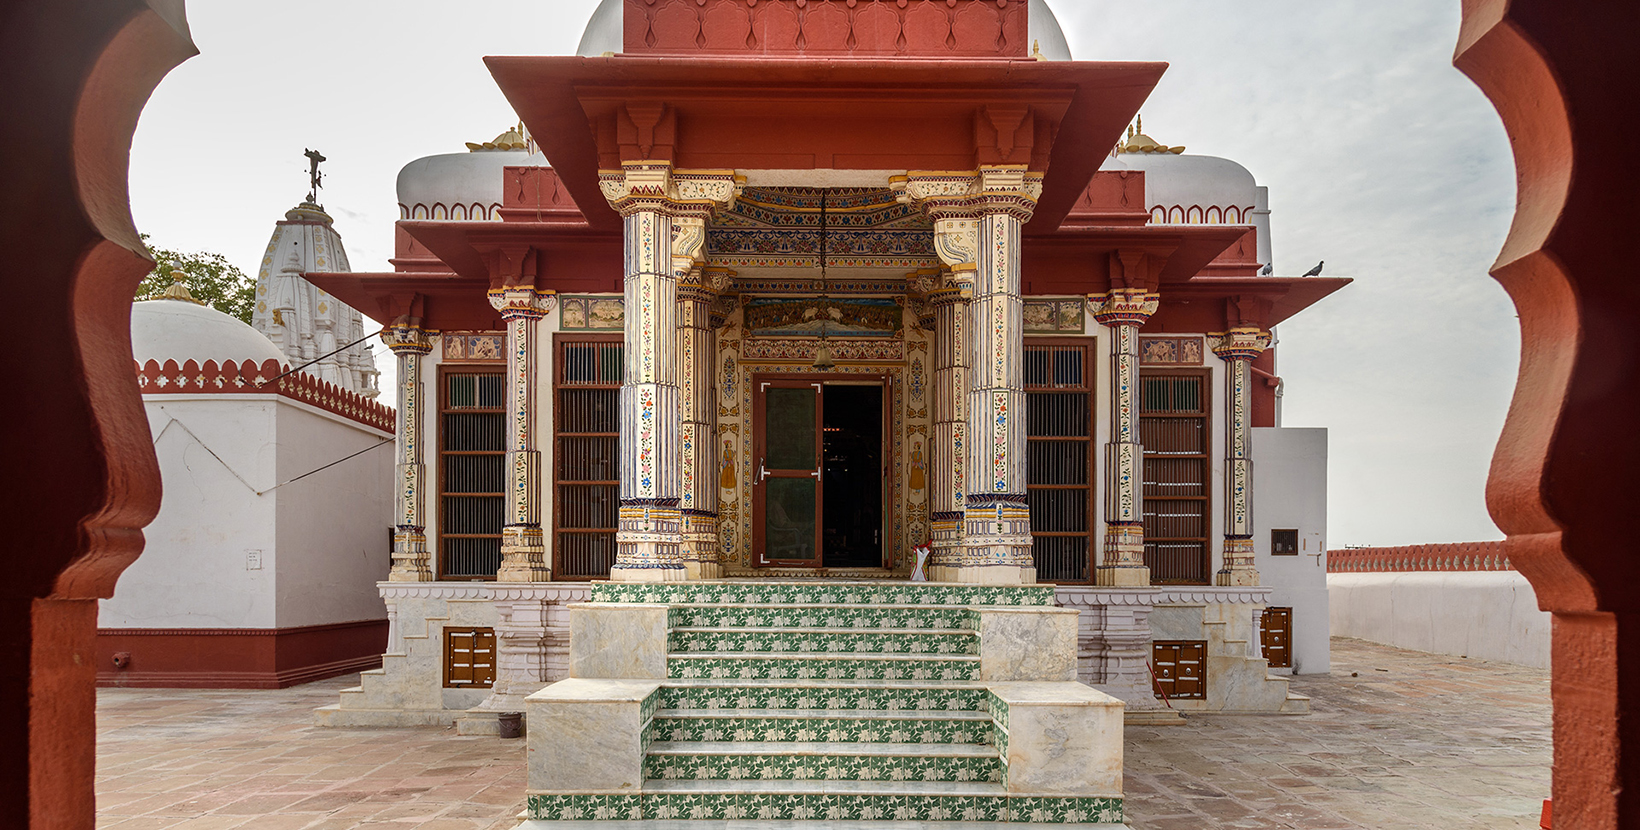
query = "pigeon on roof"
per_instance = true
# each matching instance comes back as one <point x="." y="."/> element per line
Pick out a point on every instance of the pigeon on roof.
<point x="1268" y="269"/>
<point x="1316" y="271"/>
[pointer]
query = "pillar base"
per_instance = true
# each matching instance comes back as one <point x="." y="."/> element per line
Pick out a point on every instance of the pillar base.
<point x="524" y="565"/>
<point x="1236" y="578"/>
<point x="1121" y="576"/>
<point x="410" y="572"/>
<point x="411" y="559"/>
<point x="628" y="573"/>
<point x="990" y="575"/>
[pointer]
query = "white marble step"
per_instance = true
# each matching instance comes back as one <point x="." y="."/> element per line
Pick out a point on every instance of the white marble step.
<point x="890" y="788"/>
<point x="826" y="749"/>
<point x="821" y="656"/>
<point x="821" y="684"/>
<point x="818" y="630"/>
<point x="816" y="714"/>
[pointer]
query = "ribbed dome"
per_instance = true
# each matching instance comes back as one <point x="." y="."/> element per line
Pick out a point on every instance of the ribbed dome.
<point x="181" y="330"/>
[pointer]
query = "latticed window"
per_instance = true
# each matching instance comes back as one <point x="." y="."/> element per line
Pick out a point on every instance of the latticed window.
<point x="1059" y="447"/>
<point x="472" y="440"/>
<point x="1173" y="426"/>
<point x="586" y="435"/>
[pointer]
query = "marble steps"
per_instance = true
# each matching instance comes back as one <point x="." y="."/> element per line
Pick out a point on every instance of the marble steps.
<point x="878" y="641"/>
<point x="883" y="695"/>
<point x="804" y="665"/>
<point x="821" y="726"/>
<point x="823" y="593"/>
<point x="832" y="801"/>
<point x="794" y="761"/>
<point x="809" y="615"/>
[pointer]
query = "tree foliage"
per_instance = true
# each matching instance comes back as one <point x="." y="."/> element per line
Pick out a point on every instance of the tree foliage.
<point x="212" y="280"/>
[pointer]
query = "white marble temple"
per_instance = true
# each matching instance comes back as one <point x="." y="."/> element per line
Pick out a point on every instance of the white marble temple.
<point x="617" y="640"/>
<point x="1063" y="739"/>
<point x="587" y="736"/>
<point x="1017" y="643"/>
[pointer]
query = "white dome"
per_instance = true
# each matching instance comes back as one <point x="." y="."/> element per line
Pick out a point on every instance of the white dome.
<point x="458" y="185"/>
<point x="180" y="330"/>
<point x="1186" y="181"/>
<point x="604" y="32"/>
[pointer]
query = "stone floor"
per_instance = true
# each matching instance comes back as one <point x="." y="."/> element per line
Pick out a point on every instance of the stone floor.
<point x="1396" y="739"/>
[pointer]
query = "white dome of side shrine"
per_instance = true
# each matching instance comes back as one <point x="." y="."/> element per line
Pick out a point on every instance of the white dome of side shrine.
<point x="464" y="186"/>
<point x="177" y="327"/>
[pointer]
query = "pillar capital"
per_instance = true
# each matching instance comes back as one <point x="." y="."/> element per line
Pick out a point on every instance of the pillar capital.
<point x="522" y="302"/>
<point x="1123" y="306"/>
<point x="657" y="186"/>
<point x="1239" y="343"/>
<point x="408" y="338"/>
<point x="993" y="188"/>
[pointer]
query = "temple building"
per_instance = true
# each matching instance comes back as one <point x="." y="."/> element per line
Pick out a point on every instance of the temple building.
<point x="260" y="570"/>
<point x="763" y="302"/>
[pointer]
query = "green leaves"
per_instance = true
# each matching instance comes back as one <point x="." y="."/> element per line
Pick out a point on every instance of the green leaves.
<point x="212" y="280"/>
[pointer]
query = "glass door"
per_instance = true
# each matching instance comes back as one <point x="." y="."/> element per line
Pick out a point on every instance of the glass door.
<point x="787" y="496"/>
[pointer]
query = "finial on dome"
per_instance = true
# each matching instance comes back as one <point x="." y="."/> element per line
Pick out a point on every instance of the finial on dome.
<point x="1036" y="50"/>
<point x="1138" y="142"/>
<point x="178" y="289"/>
<point x="515" y="138"/>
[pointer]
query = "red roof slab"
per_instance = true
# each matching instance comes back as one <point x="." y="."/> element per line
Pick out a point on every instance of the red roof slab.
<point x="806" y="114"/>
<point x="443" y="301"/>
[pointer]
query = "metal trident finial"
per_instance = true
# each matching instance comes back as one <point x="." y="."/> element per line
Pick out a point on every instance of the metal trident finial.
<point x="314" y="176"/>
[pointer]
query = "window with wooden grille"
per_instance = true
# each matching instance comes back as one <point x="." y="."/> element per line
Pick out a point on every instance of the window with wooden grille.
<point x="1180" y="668"/>
<point x="1173" y="426"/>
<point x="586" y="436"/>
<point x="472" y="450"/>
<point x="1276" y="637"/>
<point x="1059" y="454"/>
<point x="469" y="658"/>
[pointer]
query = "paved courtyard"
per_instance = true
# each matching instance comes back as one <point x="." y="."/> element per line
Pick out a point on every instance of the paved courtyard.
<point x="1396" y="739"/>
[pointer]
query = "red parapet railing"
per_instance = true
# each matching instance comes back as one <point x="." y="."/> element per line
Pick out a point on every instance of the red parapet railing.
<point x="1456" y="556"/>
<point x="230" y="377"/>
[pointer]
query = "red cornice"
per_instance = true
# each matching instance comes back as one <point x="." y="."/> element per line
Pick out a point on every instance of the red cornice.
<point x="815" y="114"/>
<point x="249" y="378"/>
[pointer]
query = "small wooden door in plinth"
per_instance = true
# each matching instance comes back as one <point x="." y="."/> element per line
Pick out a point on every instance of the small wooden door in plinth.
<point x="787" y="493"/>
<point x="1277" y="637"/>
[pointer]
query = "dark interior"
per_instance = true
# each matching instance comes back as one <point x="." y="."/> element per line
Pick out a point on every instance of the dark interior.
<point x="854" y="477"/>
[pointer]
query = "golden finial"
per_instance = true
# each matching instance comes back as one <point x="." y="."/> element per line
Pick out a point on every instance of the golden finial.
<point x="178" y="289"/>
<point x="1138" y="142"/>
<point x="1036" y="50"/>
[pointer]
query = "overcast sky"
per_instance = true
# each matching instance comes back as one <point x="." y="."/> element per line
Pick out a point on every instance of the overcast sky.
<point x="1380" y="158"/>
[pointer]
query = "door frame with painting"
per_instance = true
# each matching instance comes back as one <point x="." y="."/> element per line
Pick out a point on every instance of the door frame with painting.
<point x="760" y="383"/>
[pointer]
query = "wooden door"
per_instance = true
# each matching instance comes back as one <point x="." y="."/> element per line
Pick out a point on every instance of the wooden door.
<point x="1276" y="637"/>
<point x="1181" y="669"/>
<point x="787" y="492"/>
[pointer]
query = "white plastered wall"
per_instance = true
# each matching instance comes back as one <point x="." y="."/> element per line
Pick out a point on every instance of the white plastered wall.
<point x="1290" y="492"/>
<point x="215" y="452"/>
<point x="332" y="527"/>
<point x="1487" y="615"/>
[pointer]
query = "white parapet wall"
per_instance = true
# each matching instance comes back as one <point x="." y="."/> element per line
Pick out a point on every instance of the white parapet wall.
<point x="1482" y="615"/>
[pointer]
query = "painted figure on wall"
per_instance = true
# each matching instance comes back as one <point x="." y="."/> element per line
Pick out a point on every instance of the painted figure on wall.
<point x="726" y="478"/>
<point x="916" y="467"/>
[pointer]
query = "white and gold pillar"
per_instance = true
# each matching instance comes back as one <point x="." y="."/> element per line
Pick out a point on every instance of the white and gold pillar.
<point x="1123" y="311"/>
<point x="651" y="198"/>
<point x="412" y="562"/>
<point x="523" y="548"/>
<point x="699" y="317"/>
<point x="949" y="302"/>
<point x="1238" y="348"/>
<point x="977" y="219"/>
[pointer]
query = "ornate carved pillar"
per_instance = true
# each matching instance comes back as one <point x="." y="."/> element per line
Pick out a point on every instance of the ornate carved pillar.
<point x="1123" y="311"/>
<point x="949" y="302"/>
<point x="1238" y="347"/>
<point x="977" y="219"/>
<point x="698" y="320"/>
<point x="523" y="550"/>
<point x="664" y="214"/>
<point x="411" y="560"/>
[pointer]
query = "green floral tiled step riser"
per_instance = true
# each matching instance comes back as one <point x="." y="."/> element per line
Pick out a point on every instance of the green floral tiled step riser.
<point x="821" y="768"/>
<point x="683" y="667"/>
<point x="815" y="730"/>
<point x="781" y="593"/>
<point x="824" y="697"/>
<point x="825" y="807"/>
<point x="830" y="642"/>
<point x="933" y="618"/>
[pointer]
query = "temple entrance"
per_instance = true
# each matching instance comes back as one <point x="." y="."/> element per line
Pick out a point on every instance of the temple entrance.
<point x="820" y="477"/>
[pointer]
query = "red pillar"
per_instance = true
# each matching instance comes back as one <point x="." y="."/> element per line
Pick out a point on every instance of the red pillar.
<point x="80" y="479"/>
<point x="1562" y="77"/>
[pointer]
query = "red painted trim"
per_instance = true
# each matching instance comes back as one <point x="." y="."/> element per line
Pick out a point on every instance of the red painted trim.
<point x="1457" y="556"/>
<point x="237" y="658"/>
<point x="231" y="378"/>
